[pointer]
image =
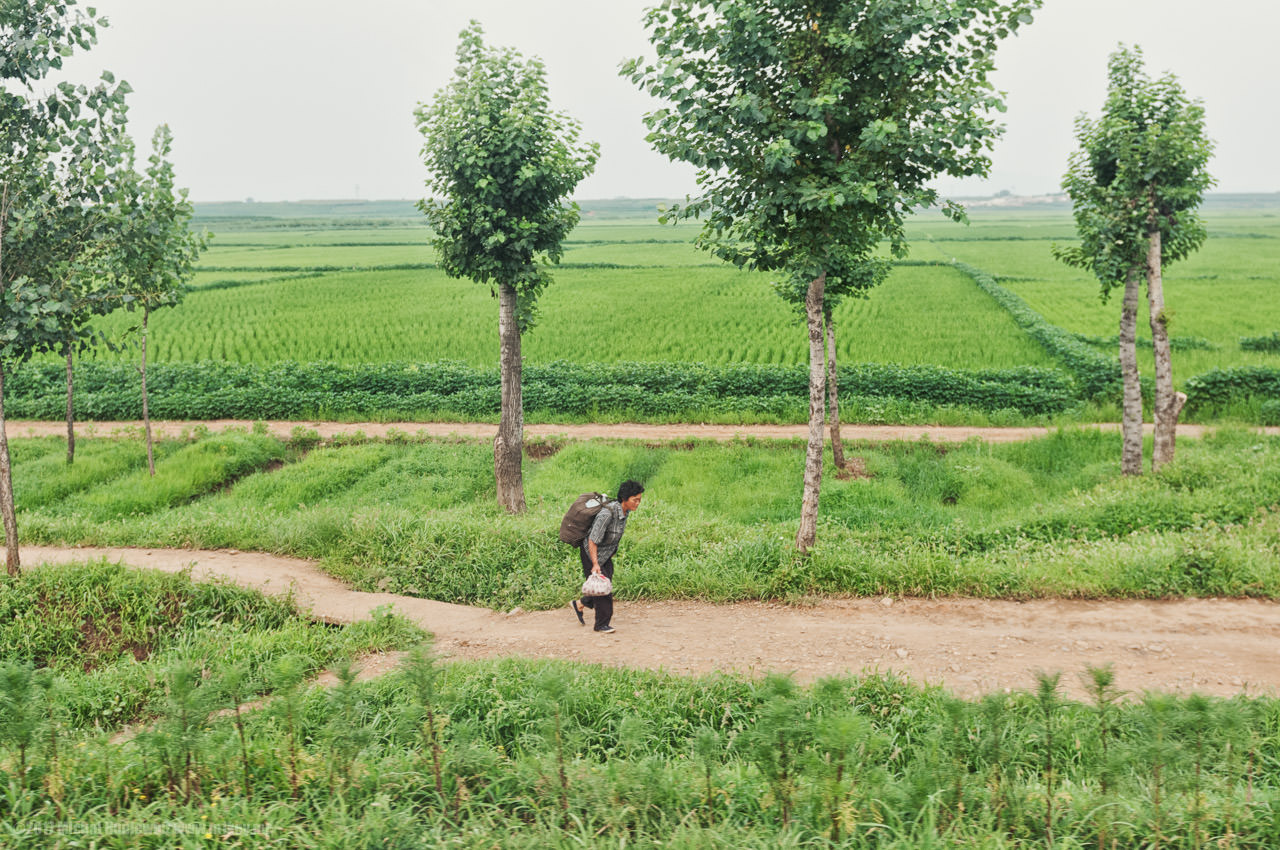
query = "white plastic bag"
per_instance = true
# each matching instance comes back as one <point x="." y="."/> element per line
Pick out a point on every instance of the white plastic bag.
<point x="597" y="584"/>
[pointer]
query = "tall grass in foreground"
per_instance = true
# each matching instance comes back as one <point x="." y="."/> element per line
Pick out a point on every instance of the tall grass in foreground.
<point x="529" y="754"/>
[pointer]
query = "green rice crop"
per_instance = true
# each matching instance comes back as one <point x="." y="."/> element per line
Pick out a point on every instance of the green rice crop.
<point x="701" y="314"/>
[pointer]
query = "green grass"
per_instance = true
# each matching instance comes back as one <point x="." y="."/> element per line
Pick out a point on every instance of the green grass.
<point x="534" y="754"/>
<point x="1045" y="518"/>
<point x="705" y="314"/>
<point x="110" y="632"/>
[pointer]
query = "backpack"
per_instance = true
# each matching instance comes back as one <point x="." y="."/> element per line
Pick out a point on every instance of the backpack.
<point x="578" y="519"/>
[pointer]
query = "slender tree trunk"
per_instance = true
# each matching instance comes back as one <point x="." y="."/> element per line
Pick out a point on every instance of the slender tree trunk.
<point x="808" y="533"/>
<point x="146" y="409"/>
<point x="1168" y="404"/>
<point x="833" y="396"/>
<point x="1131" y="422"/>
<point x="508" y="445"/>
<point x="7" y="509"/>
<point x="71" y="410"/>
<point x="10" y="515"/>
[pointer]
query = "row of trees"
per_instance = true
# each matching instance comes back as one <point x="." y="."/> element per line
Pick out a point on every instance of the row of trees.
<point x="82" y="231"/>
<point x="1135" y="183"/>
<point x="816" y="127"/>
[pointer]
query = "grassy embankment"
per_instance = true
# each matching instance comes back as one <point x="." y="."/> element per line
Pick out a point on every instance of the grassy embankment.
<point x="1048" y="517"/>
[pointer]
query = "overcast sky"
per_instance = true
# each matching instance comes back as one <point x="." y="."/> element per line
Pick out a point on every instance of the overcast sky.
<point x="310" y="99"/>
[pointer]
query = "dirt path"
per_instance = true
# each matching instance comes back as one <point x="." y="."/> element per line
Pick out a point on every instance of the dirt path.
<point x="972" y="647"/>
<point x="632" y="431"/>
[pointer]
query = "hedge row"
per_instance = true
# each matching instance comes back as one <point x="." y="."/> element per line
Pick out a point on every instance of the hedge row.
<point x="1176" y="343"/>
<point x="1261" y="343"/>
<point x="1097" y="376"/>
<point x="1221" y="386"/>
<point x="107" y="391"/>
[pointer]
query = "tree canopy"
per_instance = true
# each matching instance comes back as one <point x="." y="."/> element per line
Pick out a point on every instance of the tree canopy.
<point x="818" y="125"/>
<point x="1142" y="162"/>
<point x="502" y="165"/>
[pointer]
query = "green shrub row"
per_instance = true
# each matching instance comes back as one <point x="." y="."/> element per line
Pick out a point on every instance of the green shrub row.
<point x="207" y="390"/>
<point x="1270" y="342"/>
<point x="1097" y="376"/>
<point x="1221" y="386"/>
<point x="1176" y="343"/>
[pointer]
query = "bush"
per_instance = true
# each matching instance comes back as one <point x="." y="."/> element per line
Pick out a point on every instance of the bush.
<point x="1218" y="387"/>
<point x="1269" y="343"/>
<point x="289" y="390"/>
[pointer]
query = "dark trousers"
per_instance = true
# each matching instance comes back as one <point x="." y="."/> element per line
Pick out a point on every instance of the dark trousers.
<point x="602" y="605"/>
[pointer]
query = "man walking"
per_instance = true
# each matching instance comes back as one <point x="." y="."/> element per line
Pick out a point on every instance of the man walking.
<point x="598" y="548"/>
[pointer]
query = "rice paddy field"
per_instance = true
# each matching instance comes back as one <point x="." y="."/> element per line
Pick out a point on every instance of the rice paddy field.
<point x="315" y="283"/>
<point x="672" y="302"/>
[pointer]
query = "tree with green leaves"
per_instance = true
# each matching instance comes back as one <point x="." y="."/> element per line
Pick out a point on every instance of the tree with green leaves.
<point x="54" y="174"/>
<point x="817" y="126"/>
<point x="1135" y="183"/>
<point x="156" y="251"/>
<point x="502" y="166"/>
<point x="78" y="223"/>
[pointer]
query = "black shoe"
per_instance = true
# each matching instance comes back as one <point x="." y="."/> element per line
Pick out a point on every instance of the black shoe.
<point x="577" y="609"/>
<point x="607" y="630"/>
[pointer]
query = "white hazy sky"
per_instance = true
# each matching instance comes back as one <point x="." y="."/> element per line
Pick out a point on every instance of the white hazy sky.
<point x="310" y="99"/>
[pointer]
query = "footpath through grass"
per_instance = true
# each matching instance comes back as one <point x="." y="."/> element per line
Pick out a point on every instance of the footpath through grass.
<point x="1045" y="518"/>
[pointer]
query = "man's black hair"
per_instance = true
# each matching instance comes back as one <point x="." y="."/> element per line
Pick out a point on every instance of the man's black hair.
<point x="629" y="488"/>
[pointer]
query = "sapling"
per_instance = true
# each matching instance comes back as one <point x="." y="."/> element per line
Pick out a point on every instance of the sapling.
<point x="1099" y="683"/>
<point x="19" y="712"/>
<point x="775" y="741"/>
<point x="419" y="667"/>
<point x="553" y="687"/>
<point x="994" y="710"/>
<point x="844" y="743"/>
<point x="186" y="709"/>
<point x="286" y="680"/>
<point x="707" y="747"/>
<point x="956" y="737"/>
<point x="1048" y="701"/>
<point x="1161" y="753"/>
<point x="1200" y="719"/>
<point x="235" y="688"/>
<point x="347" y="735"/>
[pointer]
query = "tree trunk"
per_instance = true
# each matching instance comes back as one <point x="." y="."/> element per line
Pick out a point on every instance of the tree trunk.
<point x="71" y="410"/>
<point x="7" y="509"/>
<point x="146" y="409"/>
<point x="808" y="533"/>
<point x="1168" y="405"/>
<point x="508" y="445"/>
<point x="1131" y="422"/>
<point x="833" y="396"/>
